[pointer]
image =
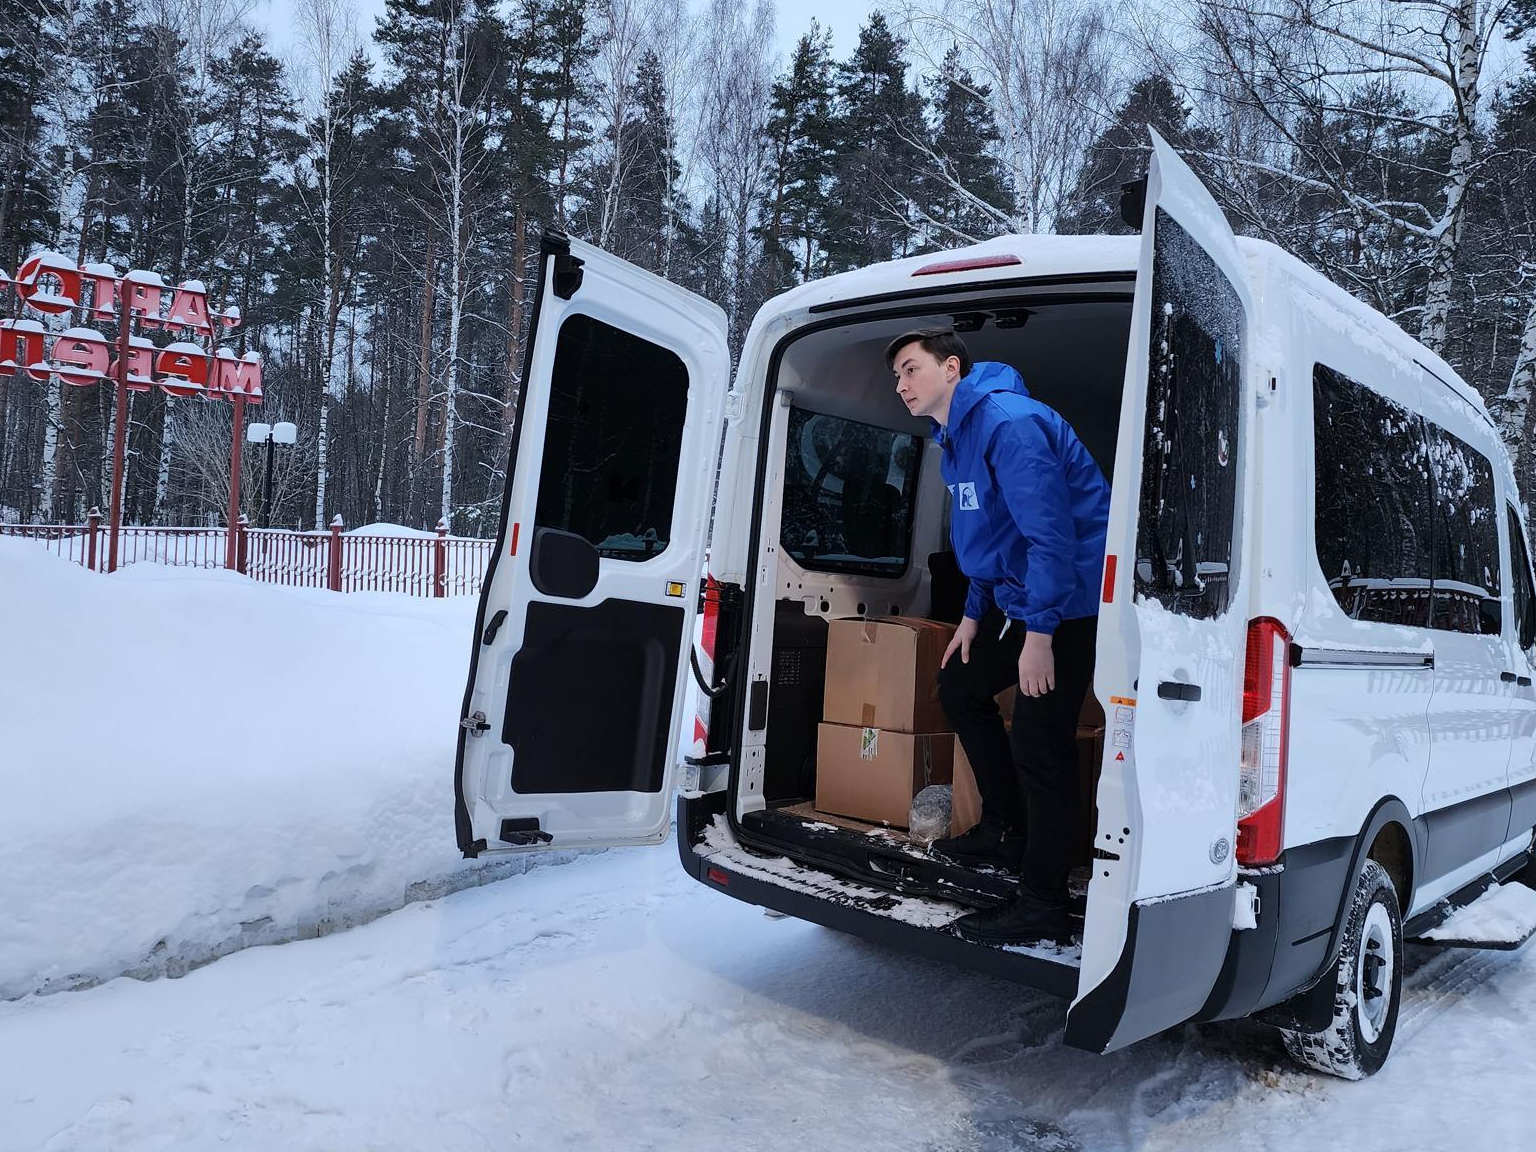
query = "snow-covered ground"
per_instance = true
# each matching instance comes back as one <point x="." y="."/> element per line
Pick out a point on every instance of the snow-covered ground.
<point x="194" y="762"/>
<point x="616" y="1004"/>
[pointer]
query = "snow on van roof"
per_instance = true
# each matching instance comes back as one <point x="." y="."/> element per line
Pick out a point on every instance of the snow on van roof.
<point x="1045" y="256"/>
<point x="1329" y="304"/>
<point x="1038" y="256"/>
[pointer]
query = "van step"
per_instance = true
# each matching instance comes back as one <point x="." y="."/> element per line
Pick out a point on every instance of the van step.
<point x="1504" y="917"/>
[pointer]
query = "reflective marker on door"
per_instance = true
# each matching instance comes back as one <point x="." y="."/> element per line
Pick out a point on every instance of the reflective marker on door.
<point x="676" y="588"/>
<point x="512" y="551"/>
<point x="1109" y="579"/>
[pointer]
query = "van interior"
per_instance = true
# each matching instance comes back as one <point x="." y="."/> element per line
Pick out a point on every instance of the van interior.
<point x="863" y="529"/>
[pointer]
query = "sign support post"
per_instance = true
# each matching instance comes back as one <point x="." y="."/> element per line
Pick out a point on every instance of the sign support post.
<point x="120" y="425"/>
<point x="237" y="434"/>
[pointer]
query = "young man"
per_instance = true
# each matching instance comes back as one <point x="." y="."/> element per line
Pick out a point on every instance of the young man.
<point x="1029" y="508"/>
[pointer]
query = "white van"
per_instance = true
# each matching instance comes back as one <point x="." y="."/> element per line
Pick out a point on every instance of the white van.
<point x="1316" y="632"/>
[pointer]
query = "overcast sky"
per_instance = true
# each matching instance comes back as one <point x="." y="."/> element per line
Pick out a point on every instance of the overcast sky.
<point x="843" y="17"/>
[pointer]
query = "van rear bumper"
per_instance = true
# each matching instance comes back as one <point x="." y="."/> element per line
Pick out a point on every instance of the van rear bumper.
<point x="696" y="813"/>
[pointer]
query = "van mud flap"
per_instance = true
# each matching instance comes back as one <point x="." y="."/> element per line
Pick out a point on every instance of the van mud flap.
<point x="1173" y="954"/>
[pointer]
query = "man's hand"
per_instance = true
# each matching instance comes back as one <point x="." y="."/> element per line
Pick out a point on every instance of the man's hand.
<point x="1037" y="665"/>
<point x="961" y="640"/>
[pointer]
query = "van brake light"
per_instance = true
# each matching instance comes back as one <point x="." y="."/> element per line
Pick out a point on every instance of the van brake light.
<point x="1002" y="260"/>
<point x="1266" y="727"/>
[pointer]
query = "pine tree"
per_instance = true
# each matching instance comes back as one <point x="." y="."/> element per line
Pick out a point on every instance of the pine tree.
<point x="646" y="219"/>
<point x="879" y="130"/>
<point x="1119" y="154"/>
<point x="967" y="195"/>
<point x="800" y="167"/>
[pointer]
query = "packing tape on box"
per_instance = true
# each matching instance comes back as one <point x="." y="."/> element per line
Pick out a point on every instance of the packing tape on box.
<point x="868" y="716"/>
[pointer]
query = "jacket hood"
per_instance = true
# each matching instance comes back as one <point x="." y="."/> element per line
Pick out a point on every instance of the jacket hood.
<point x="984" y="378"/>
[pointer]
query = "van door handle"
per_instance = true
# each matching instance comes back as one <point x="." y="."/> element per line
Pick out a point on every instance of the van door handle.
<point x="1176" y="690"/>
<point x="1507" y="677"/>
<point x="1523" y="681"/>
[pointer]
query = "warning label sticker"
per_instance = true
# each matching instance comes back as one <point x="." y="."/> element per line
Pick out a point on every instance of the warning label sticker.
<point x="1124" y="726"/>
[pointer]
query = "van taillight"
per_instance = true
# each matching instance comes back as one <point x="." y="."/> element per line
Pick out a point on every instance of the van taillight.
<point x="1266" y="722"/>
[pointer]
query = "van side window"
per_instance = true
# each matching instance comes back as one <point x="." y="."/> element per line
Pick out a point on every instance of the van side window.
<point x="1187" y="511"/>
<point x="616" y="412"/>
<point x="1372" y="487"/>
<point x="849" y="490"/>
<point x="1521" y="582"/>
<point x="1466" y="538"/>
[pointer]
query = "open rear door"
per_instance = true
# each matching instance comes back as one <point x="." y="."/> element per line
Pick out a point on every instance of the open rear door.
<point x="1171" y="628"/>
<point x="579" y="675"/>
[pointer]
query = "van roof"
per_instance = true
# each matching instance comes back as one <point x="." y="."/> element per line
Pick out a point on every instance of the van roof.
<point x="1046" y="256"/>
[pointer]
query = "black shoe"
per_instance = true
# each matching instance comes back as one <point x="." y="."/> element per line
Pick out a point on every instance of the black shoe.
<point x="1024" y="920"/>
<point x="989" y="842"/>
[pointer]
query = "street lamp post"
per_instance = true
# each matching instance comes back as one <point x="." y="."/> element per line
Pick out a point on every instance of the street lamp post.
<point x="282" y="432"/>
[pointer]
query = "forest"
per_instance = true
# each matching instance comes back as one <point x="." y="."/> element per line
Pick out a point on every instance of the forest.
<point x="371" y="198"/>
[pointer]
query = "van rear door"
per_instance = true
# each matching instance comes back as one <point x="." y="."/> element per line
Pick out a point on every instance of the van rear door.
<point x="1171" y="628"/>
<point x="579" y="673"/>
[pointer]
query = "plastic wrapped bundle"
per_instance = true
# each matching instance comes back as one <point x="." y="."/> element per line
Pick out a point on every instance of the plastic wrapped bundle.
<point x="929" y="819"/>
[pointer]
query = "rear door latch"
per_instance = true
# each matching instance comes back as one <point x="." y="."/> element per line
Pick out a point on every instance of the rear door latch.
<point x="475" y="723"/>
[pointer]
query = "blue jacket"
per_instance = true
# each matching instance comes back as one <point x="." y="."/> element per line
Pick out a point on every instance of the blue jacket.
<point x="1029" y="506"/>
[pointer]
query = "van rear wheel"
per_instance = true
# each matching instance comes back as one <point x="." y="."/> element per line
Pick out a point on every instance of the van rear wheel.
<point x="1368" y="986"/>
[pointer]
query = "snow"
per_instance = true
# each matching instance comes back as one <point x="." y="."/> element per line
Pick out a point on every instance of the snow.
<point x="195" y="762"/>
<point x="386" y="529"/>
<point x="1504" y="914"/>
<point x="617" y="1004"/>
<point x="187" y="752"/>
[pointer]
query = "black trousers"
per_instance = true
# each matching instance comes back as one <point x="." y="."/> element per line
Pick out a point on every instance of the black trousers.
<point x="1028" y="778"/>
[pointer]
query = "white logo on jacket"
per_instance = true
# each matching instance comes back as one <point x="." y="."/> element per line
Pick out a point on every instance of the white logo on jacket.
<point x="967" y="498"/>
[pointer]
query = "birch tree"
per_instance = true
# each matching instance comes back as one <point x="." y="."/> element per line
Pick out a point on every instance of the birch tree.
<point x="1051" y="71"/>
<point x="1301" y="63"/>
<point x="736" y="85"/>
<point x="328" y="39"/>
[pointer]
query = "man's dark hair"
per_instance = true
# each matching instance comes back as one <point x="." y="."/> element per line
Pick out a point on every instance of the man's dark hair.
<point x="940" y="343"/>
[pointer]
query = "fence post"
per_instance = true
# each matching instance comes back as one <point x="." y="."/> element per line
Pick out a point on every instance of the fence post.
<point x="93" y="525"/>
<point x="440" y="559"/>
<point x="333" y="576"/>
<point x="242" y="543"/>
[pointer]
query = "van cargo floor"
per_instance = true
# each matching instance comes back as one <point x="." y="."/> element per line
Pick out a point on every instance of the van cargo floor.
<point x="888" y="857"/>
<point x="1050" y="967"/>
<point x="884" y="856"/>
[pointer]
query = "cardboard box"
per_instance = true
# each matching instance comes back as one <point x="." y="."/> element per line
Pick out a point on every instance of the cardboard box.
<point x="872" y="774"/>
<point x="965" y="797"/>
<point x="883" y="673"/>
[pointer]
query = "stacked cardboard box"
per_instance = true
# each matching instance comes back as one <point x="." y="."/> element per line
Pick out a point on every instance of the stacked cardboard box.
<point x="885" y="736"/>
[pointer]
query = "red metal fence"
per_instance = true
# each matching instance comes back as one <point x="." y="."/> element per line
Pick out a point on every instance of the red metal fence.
<point x="425" y="564"/>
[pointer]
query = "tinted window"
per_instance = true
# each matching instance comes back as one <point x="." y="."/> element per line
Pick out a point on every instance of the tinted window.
<point x="1373" y="500"/>
<point x="1520" y="581"/>
<point x="615" y="433"/>
<point x="1466" y="537"/>
<point x="848" y="494"/>
<point x="1188" y="503"/>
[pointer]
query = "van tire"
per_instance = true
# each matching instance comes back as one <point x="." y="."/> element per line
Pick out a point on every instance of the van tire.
<point x="1370" y="968"/>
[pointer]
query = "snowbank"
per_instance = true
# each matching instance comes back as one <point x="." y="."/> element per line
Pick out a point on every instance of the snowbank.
<point x="194" y="763"/>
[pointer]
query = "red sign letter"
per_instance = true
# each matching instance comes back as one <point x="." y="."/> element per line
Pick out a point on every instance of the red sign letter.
<point x="21" y="348"/>
<point x="49" y="283"/>
<point x="80" y="356"/>
<point x="184" y="368"/>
